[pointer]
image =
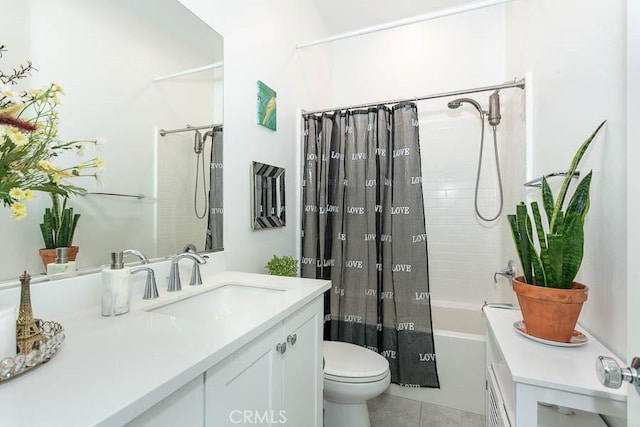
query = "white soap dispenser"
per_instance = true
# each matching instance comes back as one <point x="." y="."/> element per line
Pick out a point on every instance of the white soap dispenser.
<point x="62" y="263"/>
<point x="116" y="287"/>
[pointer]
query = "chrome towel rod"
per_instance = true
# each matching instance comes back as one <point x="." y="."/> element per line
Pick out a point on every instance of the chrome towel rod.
<point x="538" y="181"/>
<point x="137" y="196"/>
<point x="190" y="71"/>
<point x="515" y="83"/>
<point x="164" y="132"/>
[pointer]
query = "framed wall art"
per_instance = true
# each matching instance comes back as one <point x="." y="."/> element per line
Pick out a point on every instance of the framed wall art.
<point x="266" y="106"/>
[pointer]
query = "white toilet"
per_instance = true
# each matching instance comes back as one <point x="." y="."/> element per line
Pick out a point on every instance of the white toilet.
<point x="352" y="375"/>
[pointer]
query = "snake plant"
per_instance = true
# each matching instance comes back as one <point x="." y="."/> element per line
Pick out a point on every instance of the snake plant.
<point x="556" y="260"/>
<point x="58" y="224"/>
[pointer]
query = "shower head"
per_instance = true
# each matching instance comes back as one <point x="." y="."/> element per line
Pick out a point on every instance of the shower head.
<point x="456" y="103"/>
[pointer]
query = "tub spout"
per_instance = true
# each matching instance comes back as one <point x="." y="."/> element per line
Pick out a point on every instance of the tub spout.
<point x="503" y="305"/>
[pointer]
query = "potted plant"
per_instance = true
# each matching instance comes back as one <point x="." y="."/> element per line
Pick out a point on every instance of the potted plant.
<point x="282" y="266"/>
<point x="549" y="297"/>
<point x="58" y="227"/>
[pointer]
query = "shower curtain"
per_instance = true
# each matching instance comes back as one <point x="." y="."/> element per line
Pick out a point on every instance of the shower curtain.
<point x="364" y="229"/>
<point x="214" y="225"/>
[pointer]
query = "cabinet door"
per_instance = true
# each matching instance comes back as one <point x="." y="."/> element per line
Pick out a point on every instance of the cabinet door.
<point x="182" y="408"/>
<point x="302" y="371"/>
<point x="245" y="388"/>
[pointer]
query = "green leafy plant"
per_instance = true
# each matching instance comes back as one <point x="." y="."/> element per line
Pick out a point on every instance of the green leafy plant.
<point x="556" y="261"/>
<point x="282" y="266"/>
<point x="58" y="224"/>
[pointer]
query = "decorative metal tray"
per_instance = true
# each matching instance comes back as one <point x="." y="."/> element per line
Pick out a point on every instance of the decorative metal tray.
<point x="20" y="363"/>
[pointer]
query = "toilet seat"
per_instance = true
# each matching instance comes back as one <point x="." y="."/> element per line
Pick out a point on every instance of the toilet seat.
<point x="350" y="363"/>
<point x="355" y="380"/>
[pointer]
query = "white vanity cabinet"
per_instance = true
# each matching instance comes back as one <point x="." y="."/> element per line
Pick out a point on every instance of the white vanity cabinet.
<point x="274" y="379"/>
<point x="167" y="366"/>
<point x="528" y="380"/>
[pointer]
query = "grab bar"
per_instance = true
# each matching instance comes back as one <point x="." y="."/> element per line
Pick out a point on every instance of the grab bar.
<point x="538" y="181"/>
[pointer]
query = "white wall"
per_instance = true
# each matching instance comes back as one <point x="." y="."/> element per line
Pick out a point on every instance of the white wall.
<point x="577" y="58"/>
<point x="448" y="54"/>
<point x="633" y="177"/>
<point x="260" y="39"/>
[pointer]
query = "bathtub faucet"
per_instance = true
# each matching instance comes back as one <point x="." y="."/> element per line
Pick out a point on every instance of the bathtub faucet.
<point x="509" y="272"/>
<point x="503" y="305"/>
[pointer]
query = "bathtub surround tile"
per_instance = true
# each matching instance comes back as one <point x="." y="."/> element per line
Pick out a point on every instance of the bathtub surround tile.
<point x="387" y="410"/>
<point x="440" y="416"/>
<point x="464" y="252"/>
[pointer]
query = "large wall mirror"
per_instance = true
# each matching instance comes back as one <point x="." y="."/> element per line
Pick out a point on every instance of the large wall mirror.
<point x="129" y="70"/>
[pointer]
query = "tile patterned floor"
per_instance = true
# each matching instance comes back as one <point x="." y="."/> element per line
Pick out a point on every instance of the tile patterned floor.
<point x="387" y="410"/>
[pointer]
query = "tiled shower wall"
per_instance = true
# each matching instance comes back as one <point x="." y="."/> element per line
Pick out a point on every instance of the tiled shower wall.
<point x="196" y="100"/>
<point x="514" y="116"/>
<point x="464" y="252"/>
<point x="177" y="223"/>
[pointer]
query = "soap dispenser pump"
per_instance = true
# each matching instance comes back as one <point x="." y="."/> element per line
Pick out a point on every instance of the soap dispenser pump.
<point x="62" y="263"/>
<point x="116" y="287"/>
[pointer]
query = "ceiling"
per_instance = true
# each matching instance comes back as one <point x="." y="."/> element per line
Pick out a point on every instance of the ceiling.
<point x="349" y="15"/>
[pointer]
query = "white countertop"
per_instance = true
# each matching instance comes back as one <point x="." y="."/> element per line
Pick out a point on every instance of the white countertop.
<point x="111" y="369"/>
<point x="570" y="369"/>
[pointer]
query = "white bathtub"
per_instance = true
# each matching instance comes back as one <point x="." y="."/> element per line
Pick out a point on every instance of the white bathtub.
<point x="460" y="340"/>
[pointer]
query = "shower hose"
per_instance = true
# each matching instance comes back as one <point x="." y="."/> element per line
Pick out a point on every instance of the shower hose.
<point x="499" y="173"/>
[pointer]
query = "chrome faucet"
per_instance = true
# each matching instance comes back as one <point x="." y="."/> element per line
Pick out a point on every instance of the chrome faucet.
<point x="150" y="290"/>
<point x="189" y="247"/>
<point x="174" y="273"/>
<point x="509" y="272"/>
<point x="137" y="253"/>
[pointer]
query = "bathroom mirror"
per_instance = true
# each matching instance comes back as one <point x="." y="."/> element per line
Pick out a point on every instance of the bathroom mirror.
<point x="268" y="204"/>
<point x="128" y="69"/>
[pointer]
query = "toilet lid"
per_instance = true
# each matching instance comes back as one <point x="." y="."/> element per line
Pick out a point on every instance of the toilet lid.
<point x="344" y="361"/>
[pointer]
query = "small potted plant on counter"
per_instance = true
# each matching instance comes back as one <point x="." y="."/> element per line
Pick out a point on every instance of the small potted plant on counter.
<point x="282" y="266"/>
<point x="549" y="297"/>
<point x="58" y="227"/>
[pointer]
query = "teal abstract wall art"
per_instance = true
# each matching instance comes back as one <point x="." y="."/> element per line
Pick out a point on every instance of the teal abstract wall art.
<point x="266" y="106"/>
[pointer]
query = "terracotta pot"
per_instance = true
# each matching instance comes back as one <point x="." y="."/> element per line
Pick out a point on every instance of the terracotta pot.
<point x="49" y="255"/>
<point x="550" y="313"/>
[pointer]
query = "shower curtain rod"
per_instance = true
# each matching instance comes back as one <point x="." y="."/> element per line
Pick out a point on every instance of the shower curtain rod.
<point x="164" y="132"/>
<point x="407" y="21"/>
<point x="190" y="71"/>
<point x="515" y="83"/>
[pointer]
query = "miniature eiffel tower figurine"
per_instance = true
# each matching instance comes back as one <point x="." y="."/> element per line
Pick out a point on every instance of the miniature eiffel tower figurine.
<point x="28" y="334"/>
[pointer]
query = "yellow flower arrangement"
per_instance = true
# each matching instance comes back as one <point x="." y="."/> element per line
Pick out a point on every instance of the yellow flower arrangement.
<point x="29" y="142"/>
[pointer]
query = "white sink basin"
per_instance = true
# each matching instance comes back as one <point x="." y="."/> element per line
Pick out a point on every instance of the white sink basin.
<point x="225" y="301"/>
